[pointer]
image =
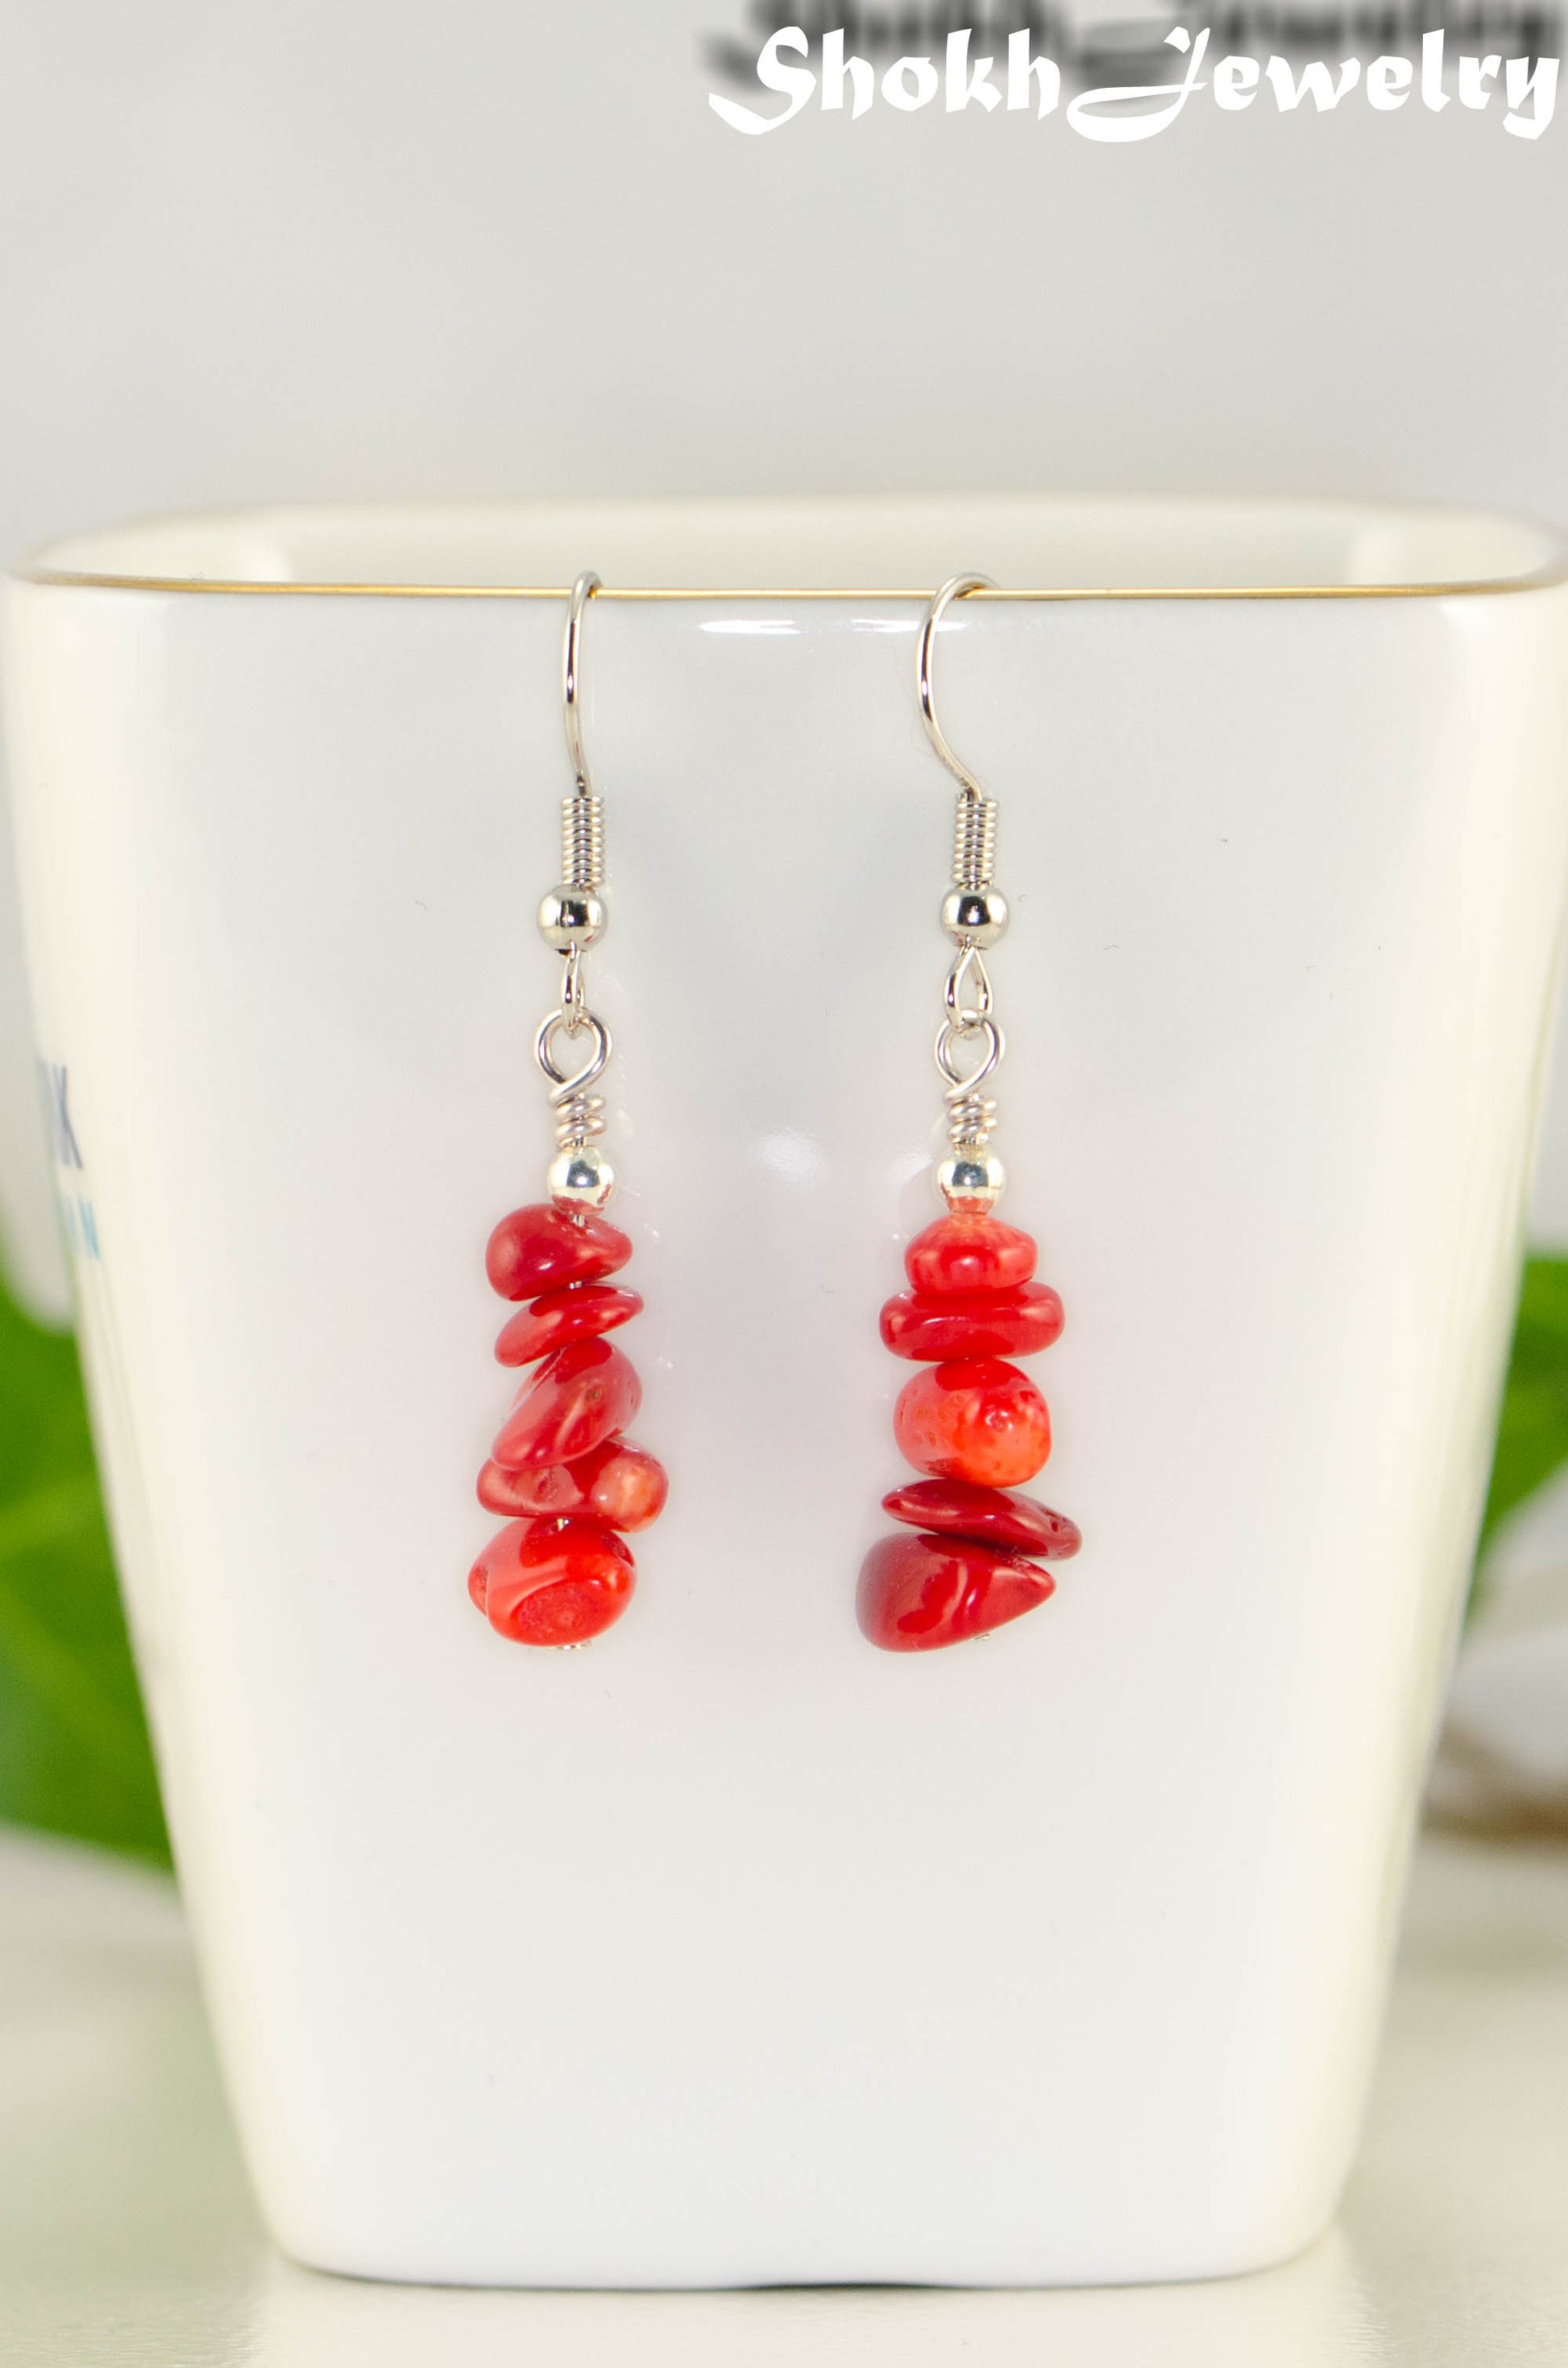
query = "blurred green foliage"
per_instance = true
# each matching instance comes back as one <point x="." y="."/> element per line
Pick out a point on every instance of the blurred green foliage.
<point x="1533" y="1436"/>
<point x="73" y="1749"/>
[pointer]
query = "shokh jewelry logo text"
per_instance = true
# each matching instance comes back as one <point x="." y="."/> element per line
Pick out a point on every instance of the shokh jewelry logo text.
<point x="1016" y="76"/>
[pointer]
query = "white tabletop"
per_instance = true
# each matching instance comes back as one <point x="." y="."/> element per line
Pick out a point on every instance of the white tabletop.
<point x="127" y="2235"/>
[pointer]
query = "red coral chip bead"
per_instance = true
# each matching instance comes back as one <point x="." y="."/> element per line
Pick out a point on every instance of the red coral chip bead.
<point x="974" y="1419"/>
<point x="989" y="1516"/>
<point x="970" y="1253"/>
<point x="627" y="1489"/>
<point x="932" y="1325"/>
<point x="521" y="1493"/>
<point x="919" y="1593"/>
<point x="577" y="1397"/>
<point x="579" y="1312"/>
<point x="619" y="1484"/>
<point x="552" y="1582"/>
<point x="541" y="1246"/>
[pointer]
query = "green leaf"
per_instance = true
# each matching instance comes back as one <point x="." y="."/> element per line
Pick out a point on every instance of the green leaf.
<point x="1532" y="1436"/>
<point x="73" y="1750"/>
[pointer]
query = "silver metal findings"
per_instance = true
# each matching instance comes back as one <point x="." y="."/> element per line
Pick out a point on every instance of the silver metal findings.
<point x="570" y="918"/>
<point x="956" y="588"/>
<point x="970" y="1044"/>
<point x="582" y="838"/>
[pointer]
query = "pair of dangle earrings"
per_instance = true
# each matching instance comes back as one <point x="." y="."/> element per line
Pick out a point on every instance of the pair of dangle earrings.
<point x="971" y="1553"/>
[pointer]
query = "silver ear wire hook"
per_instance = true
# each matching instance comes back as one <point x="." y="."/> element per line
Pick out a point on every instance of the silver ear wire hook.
<point x="570" y="918"/>
<point x="583" y="591"/>
<point x="970" y="1044"/>
<point x="956" y="588"/>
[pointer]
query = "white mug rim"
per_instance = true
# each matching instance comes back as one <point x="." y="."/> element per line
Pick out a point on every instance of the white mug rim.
<point x="123" y="558"/>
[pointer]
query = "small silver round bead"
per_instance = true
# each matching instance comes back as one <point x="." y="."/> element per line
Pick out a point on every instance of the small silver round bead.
<point x="975" y="917"/>
<point x="581" y="1177"/>
<point x="971" y="1178"/>
<point x="569" y="916"/>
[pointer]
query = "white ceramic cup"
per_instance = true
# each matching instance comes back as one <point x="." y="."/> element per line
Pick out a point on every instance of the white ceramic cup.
<point x="731" y="1949"/>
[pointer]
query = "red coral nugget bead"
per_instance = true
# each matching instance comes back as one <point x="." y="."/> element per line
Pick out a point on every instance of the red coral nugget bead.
<point x="919" y="1593"/>
<point x="989" y="1516"/>
<point x="576" y="1399"/>
<point x="626" y="1488"/>
<point x="618" y="1483"/>
<point x="552" y="1582"/>
<point x="970" y="1253"/>
<point x="930" y="1326"/>
<point x="579" y="1312"/>
<point x="541" y="1246"/>
<point x="974" y="1419"/>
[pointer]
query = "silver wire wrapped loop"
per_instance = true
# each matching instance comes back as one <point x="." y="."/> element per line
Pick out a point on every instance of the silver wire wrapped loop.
<point x="579" y="1121"/>
<point x="970" y="1121"/>
<point x="578" y="1112"/>
<point x="963" y="1083"/>
<point x="972" y="1113"/>
<point x="571" y="1081"/>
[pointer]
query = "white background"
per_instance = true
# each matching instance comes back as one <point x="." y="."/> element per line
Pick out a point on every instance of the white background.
<point x="344" y="249"/>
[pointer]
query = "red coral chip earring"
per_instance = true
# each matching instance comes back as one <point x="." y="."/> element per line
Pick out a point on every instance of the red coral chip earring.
<point x="970" y="1558"/>
<point x="561" y="1469"/>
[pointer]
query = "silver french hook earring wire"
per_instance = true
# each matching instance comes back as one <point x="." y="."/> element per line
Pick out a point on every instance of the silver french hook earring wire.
<point x="570" y="919"/>
<point x="970" y="1043"/>
<point x="956" y="588"/>
<point x="583" y="591"/>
